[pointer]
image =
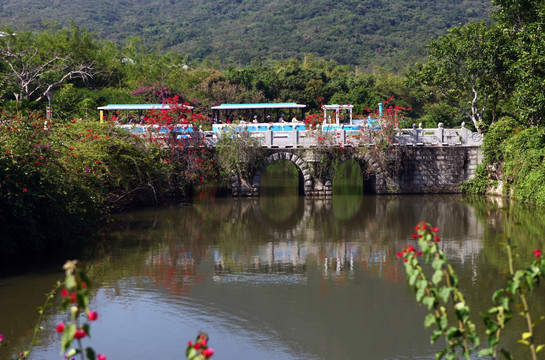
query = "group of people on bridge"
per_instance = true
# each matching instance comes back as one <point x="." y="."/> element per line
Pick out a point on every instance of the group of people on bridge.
<point x="256" y="120"/>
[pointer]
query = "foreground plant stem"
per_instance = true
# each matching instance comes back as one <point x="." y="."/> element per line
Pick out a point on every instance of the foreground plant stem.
<point x="38" y="327"/>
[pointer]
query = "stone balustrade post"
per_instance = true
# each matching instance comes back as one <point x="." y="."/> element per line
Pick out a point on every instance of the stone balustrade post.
<point x="269" y="137"/>
<point x="295" y="136"/>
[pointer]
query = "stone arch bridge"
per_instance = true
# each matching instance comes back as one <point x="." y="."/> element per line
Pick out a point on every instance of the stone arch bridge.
<point x="423" y="169"/>
<point x="420" y="160"/>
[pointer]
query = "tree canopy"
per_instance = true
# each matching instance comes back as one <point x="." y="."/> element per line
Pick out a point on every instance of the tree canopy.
<point x="365" y="33"/>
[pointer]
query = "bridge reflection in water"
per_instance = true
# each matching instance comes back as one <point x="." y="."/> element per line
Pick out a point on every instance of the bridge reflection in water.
<point x="295" y="245"/>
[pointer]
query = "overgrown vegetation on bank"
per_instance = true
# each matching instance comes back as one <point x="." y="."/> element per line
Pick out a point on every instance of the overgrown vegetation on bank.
<point x="513" y="163"/>
<point x="58" y="180"/>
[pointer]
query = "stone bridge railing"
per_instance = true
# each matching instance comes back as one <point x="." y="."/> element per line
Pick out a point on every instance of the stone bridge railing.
<point x="297" y="136"/>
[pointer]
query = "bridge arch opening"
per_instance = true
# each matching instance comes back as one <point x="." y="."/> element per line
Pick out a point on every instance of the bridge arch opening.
<point x="349" y="179"/>
<point x="281" y="178"/>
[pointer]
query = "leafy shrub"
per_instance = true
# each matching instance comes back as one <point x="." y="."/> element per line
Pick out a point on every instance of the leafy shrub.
<point x="497" y="134"/>
<point x="57" y="180"/>
<point x="480" y="182"/>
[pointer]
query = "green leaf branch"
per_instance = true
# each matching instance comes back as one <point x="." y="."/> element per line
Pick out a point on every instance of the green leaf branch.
<point x="440" y="295"/>
<point x="448" y="309"/>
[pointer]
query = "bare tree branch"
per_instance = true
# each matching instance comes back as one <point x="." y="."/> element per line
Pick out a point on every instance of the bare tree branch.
<point x="35" y="77"/>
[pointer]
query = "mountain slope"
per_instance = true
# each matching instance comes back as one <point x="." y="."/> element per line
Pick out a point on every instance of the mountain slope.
<point x="391" y="33"/>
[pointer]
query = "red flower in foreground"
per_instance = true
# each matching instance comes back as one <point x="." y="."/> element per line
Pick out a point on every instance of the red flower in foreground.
<point x="79" y="334"/>
<point x="437" y="239"/>
<point x="92" y="315"/>
<point x="64" y="293"/>
<point x="73" y="298"/>
<point x="208" y="352"/>
<point x="537" y="253"/>
<point x="101" y="357"/>
<point x="60" y="327"/>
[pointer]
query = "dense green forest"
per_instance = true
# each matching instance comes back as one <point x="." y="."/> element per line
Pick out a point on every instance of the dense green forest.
<point x="366" y="33"/>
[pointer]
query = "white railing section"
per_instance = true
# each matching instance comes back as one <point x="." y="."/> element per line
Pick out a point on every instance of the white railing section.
<point x="297" y="136"/>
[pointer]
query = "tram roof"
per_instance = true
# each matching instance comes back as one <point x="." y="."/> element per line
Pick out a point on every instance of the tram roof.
<point x="336" y="107"/>
<point x="140" y="107"/>
<point x="259" y="106"/>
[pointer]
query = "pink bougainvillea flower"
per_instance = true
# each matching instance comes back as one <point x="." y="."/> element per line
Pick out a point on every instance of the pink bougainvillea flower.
<point x="60" y="327"/>
<point x="79" y="334"/>
<point x="435" y="229"/>
<point x="437" y="239"/>
<point x="410" y="248"/>
<point x="73" y="298"/>
<point x="64" y="293"/>
<point x="25" y="190"/>
<point x="537" y="253"/>
<point x="92" y="315"/>
<point x="414" y="236"/>
<point x="399" y="255"/>
<point x="101" y="357"/>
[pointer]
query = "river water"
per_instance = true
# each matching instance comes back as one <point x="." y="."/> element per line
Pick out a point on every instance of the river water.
<point x="276" y="277"/>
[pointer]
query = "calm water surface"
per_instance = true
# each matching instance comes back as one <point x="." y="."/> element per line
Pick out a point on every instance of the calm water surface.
<point x="279" y="277"/>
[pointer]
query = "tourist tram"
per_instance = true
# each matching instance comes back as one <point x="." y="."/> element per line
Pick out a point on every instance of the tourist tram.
<point x="138" y="109"/>
<point x="258" y="113"/>
<point x="260" y="117"/>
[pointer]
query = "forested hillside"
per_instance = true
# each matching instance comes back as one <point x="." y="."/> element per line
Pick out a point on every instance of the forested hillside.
<point x="357" y="32"/>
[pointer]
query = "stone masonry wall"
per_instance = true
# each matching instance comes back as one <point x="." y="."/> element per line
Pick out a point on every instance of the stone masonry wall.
<point x="433" y="170"/>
